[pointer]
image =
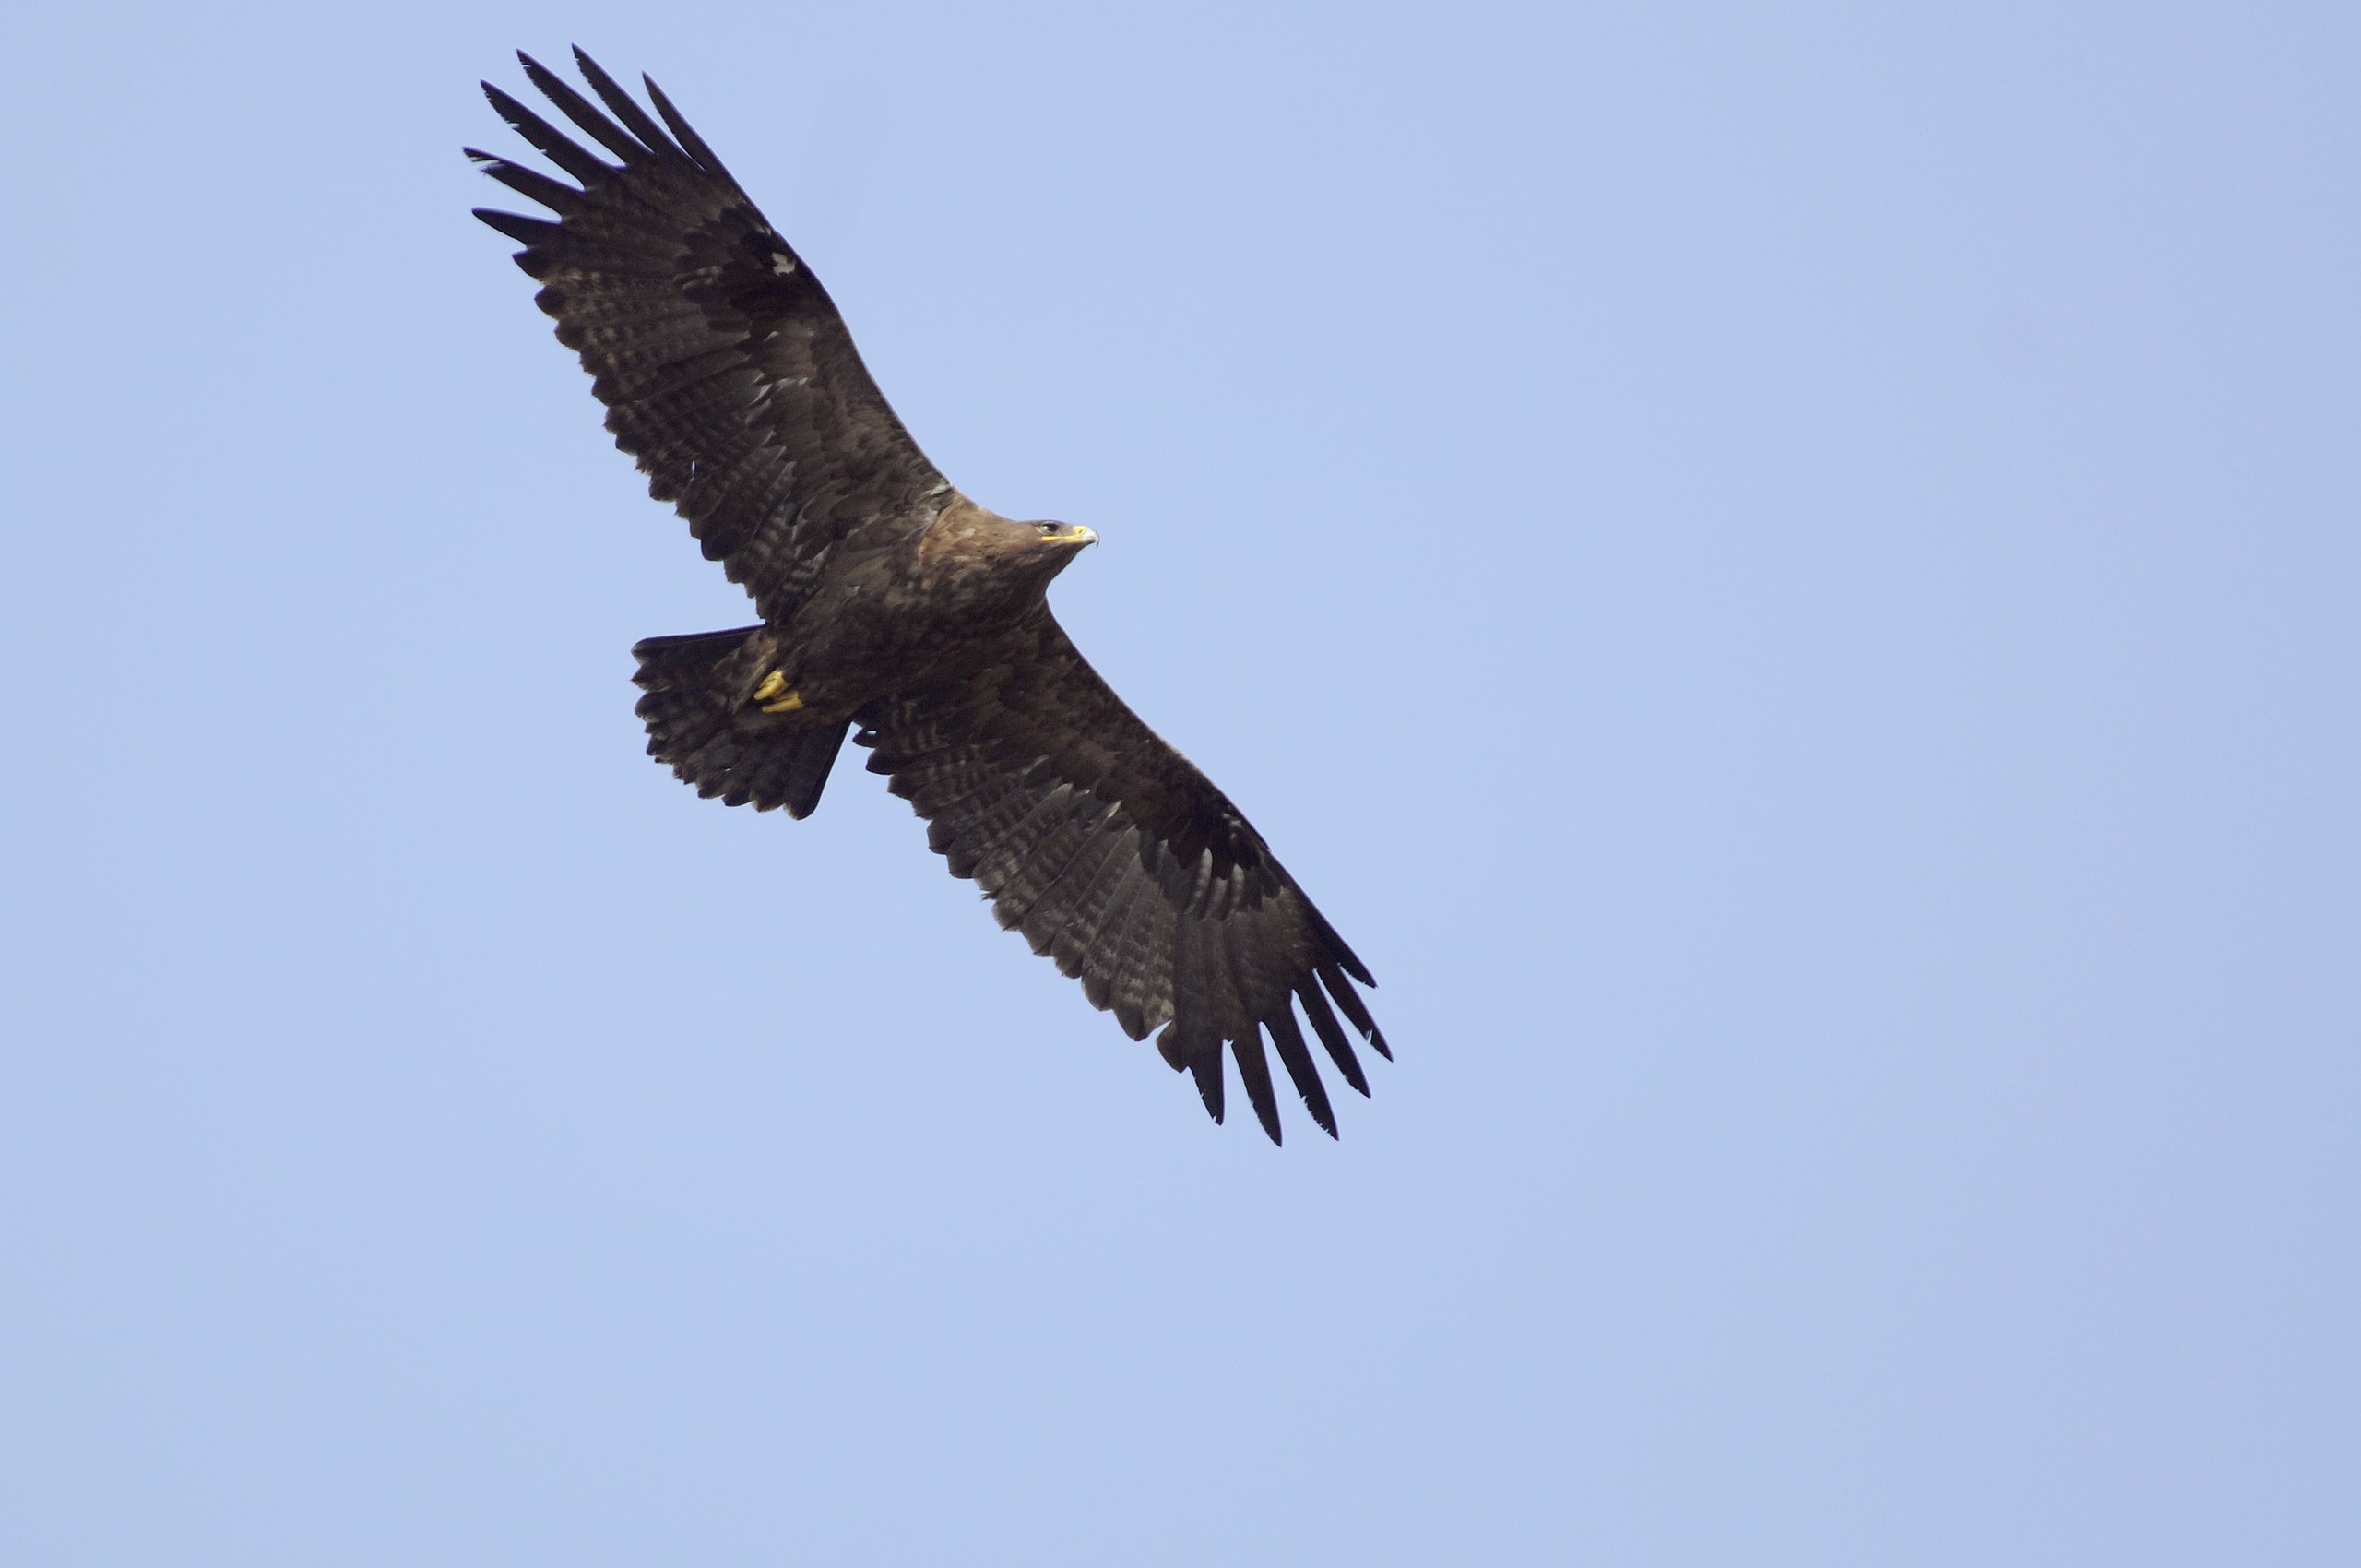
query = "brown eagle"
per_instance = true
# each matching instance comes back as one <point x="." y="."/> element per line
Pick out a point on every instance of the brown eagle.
<point x="892" y="603"/>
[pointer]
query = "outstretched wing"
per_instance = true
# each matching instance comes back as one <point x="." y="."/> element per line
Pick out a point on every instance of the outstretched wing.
<point x="723" y="364"/>
<point x="1119" y="859"/>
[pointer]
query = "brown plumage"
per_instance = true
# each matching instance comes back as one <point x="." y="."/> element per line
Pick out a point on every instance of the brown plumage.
<point x="891" y="601"/>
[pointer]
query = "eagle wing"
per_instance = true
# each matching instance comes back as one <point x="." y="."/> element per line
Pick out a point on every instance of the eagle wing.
<point x="723" y="364"/>
<point x="1120" y="860"/>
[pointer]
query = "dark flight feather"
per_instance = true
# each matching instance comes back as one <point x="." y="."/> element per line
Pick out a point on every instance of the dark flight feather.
<point x="1202" y="933"/>
<point x="722" y="361"/>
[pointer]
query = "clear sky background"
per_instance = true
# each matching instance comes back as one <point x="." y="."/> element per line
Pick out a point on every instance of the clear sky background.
<point x="1787" y="574"/>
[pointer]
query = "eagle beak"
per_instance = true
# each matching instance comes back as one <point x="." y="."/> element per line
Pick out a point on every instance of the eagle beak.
<point x="1077" y="536"/>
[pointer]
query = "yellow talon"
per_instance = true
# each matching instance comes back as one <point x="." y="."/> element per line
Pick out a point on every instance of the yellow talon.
<point x="775" y="685"/>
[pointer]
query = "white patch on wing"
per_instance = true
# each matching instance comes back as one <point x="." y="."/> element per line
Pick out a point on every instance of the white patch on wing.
<point x="782" y="263"/>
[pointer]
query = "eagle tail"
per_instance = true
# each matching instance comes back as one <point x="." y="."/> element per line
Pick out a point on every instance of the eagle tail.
<point x="699" y="723"/>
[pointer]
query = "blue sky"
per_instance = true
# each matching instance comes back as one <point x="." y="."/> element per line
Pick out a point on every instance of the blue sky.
<point x="1787" y="575"/>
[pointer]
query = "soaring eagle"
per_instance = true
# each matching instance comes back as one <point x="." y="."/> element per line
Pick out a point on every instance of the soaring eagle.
<point x="892" y="603"/>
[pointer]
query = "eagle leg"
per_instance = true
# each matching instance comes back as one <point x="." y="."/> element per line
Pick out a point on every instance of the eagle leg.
<point x="773" y="684"/>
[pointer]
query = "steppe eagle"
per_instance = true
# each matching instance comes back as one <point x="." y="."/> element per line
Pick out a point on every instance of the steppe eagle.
<point x="892" y="603"/>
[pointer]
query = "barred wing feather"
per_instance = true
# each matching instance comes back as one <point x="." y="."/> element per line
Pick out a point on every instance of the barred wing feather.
<point x="1122" y="862"/>
<point x="725" y="367"/>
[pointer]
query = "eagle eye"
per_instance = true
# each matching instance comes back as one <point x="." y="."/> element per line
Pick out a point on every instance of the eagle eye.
<point x="1047" y="528"/>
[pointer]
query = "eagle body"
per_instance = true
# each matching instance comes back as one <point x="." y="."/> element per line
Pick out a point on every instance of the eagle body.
<point x="904" y="609"/>
<point x="895" y="608"/>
